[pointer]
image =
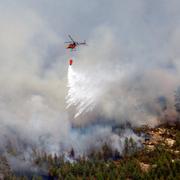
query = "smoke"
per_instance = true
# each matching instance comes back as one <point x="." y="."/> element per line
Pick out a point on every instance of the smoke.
<point x="130" y="64"/>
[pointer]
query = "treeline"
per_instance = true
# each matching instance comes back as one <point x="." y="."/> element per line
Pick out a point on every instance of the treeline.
<point x="107" y="164"/>
<point x="159" y="163"/>
<point x="163" y="164"/>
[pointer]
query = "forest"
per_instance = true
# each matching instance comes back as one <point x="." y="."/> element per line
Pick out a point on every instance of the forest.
<point x="160" y="162"/>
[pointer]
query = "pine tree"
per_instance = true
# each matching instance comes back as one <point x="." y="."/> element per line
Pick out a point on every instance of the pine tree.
<point x="72" y="154"/>
<point x="177" y="101"/>
<point x="126" y="147"/>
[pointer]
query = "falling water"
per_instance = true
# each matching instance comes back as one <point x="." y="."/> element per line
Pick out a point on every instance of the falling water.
<point x="82" y="92"/>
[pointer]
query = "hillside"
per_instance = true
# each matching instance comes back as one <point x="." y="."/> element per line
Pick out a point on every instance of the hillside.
<point x="157" y="158"/>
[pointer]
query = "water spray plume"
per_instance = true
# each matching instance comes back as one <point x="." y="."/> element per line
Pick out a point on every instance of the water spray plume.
<point x="82" y="92"/>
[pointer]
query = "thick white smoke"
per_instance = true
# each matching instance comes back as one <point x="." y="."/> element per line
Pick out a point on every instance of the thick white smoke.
<point x="132" y="59"/>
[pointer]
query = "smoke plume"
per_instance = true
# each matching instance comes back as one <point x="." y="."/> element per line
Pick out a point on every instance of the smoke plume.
<point x="126" y="75"/>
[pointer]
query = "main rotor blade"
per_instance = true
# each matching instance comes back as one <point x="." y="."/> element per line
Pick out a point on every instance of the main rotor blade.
<point x="71" y="38"/>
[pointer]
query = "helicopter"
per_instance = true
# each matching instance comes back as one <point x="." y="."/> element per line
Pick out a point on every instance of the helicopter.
<point x="73" y="44"/>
